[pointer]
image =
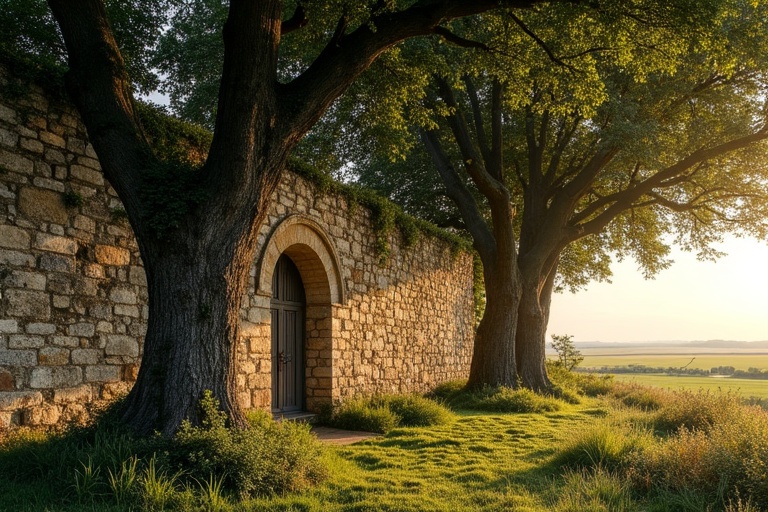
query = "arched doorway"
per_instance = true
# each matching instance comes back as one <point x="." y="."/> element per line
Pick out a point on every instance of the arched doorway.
<point x="288" y="308"/>
<point x="304" y="243"/>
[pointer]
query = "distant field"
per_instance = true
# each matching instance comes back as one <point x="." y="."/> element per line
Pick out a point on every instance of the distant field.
<point x="747" y="387"/>
<point x="702" y="361"/>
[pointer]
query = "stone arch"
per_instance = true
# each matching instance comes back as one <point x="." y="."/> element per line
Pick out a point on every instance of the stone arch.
<point x="305" y="242"/>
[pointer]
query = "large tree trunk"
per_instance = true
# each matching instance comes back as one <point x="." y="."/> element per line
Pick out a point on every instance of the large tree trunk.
<point x="531" y="336"/>
<point x="195" y="288"/>
<point x="493" y="359"/>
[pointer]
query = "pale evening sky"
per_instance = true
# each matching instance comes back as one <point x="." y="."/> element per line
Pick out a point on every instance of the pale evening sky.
<point x="691" y="300"/>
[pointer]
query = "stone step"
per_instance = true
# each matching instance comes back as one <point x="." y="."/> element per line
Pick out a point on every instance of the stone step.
<point x="299" y="416"/>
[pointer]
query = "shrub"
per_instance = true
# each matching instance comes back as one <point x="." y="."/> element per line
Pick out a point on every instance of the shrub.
<point x="385" y="412"/>
<point x="447" y="391"/>
<point x="730" y="456"/>
<point x="642" y="397"/>
<point x="514" y="400"/>
<point x="607" y="445"/>
<point x="266" y="458"/>
<point x="696" y="409"/>
<point x="416" y="411"/>
<point x="500" y="399"/>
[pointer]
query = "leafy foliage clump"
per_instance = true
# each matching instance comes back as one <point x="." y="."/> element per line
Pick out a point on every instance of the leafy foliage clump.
<point x="495" y="399"/>
<point x="696" y="410"/>
<point x="383" y="413"/>
<point x="269" y="457"/>
<point x="567" y="354"/>
<point x="103" y="466"/>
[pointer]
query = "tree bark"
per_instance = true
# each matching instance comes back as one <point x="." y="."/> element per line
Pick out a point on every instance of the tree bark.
<point x="493" y="359"/>
<point x="531" y="335"/>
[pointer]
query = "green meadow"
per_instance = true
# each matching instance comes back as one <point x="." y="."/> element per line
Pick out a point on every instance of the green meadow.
<point x="745" y="387"/>
<point x="599" y="445"/>
<point x="742" y="361"/>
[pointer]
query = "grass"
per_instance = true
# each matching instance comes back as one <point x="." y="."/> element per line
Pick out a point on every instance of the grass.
<point x="745" y="387"/>
<point x="633" y="449"/>
<point x="701" y="361"/>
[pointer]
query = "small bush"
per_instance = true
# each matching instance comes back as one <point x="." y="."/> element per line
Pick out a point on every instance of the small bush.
<point x="385" y="412"/>
<point x="730" y="456"/>
<point x="447" y="391"/>
<point x="266" y="458"/>
<point x="416" y="411"/>
<point x="606" y="445"/>
<point x="696" y="410"/>
<point x="645" y="398"/>
<point x="520" y="400"/>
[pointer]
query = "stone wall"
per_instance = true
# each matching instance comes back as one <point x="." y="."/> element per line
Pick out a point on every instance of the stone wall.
<point x="73" y="292"/>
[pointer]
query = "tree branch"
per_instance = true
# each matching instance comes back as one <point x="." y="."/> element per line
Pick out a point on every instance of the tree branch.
<point x="458" y="40"/>
<point x="483" y="239"/>
<point x="621" y="201"/>
<point x="304" y="100"/>
<point x="295" y="22"/>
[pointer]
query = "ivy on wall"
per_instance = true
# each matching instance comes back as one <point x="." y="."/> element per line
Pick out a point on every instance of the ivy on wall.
<point x="182" y="148"/>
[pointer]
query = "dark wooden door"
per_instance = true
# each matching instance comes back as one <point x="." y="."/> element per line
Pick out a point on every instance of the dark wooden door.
<point x="287" y="337"/>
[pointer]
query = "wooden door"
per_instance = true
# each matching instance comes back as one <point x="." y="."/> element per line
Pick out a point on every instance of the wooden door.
<point x="287" y="307"/>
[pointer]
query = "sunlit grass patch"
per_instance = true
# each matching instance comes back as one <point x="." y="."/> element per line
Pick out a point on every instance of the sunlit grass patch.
<point x="382" y="413"/>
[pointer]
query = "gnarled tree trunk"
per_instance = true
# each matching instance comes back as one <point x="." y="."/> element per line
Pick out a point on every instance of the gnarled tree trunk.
<point x="493" y="359"/>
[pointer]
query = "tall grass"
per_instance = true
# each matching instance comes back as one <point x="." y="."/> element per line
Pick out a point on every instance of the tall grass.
<point x="382" y="413"/>
<point x="102" y="465"/>
<point x="495" y="399"/>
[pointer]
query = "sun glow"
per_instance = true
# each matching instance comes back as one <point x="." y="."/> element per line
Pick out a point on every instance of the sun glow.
<point x="692" y="300"/>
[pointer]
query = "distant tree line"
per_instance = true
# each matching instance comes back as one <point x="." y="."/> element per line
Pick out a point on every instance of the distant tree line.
<point x="729" y="371"/>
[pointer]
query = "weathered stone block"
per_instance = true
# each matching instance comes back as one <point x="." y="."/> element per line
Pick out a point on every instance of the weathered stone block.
<point x="29" y="280"/>
<point x="137" y="276"/>
<point x="8" y="326"/>
<point x="16" y="258"/>
<point x="13" y="237"/>
<point x="66" y="341"/>
<point x="122" y="295"/>
<point x="40" y="328"/>
<point x="28" y="303"/>
<point x="126" y="310"/>
<point x="81" y="329"/>
<point x="55" y="156"/>
<point x="16" y="163"/>
<point x="57" y="244"/>
<point x="84" y="223"/>
<point x="53" y="356"/>
<point x="102" y="373"/>
<point x="111" y="255"/>
<point x="44" y="205"/>
<point x="7" y="382"/>
<point x="10" y="400"/>
<point x="17" y="357"/>
<point x="81" y="394"/>
<point x="42" y="415"/>
<point x="55" y="377"/>
<point x="52" y="139"/>
<point x="16" y="341"/>
<point x="56" y="263"/>
<point x="86" y="356"/>
<point x="47" y="182"/>
<point x="35" y="146"/>
<point x="118" y="345"/>
<point x="85" y="174"/>
<point x="8" y="138"/>
<point x="7" y="114"/>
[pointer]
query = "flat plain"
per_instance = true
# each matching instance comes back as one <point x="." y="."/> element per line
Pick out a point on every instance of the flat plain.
<point x="678" y="355"/>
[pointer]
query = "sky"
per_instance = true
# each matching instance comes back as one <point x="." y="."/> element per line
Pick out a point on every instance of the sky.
<point x="690" y="301"/>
